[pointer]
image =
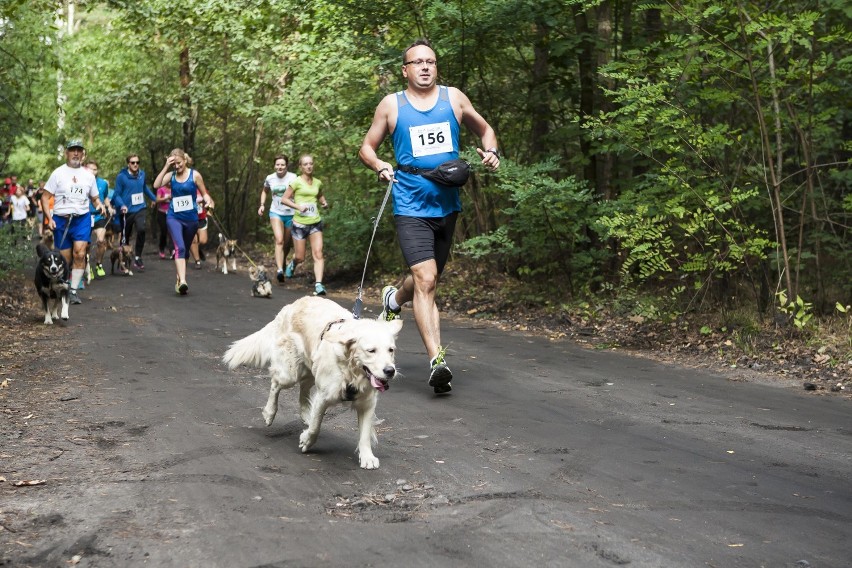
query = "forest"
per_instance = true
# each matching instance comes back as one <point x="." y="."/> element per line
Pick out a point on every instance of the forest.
<point x="663" y="156"/>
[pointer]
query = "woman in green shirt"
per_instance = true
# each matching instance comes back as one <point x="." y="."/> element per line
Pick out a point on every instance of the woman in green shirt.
<point x="305" y="195"/>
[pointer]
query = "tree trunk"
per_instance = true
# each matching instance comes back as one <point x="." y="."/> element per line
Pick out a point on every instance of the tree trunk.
<point x="769" y="158"/>
<point x="605" y="161"/>
<point x="189" y="122"/>
<point x="586" y="63"/>
<point x="540" y="94"/>
<point x="226" y="172"/>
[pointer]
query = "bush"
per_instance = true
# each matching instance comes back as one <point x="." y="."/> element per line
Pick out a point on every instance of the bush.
<point x="18" y="253"/>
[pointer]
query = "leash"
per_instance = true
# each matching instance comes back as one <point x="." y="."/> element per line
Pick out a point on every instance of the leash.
<point x="224" y="234"/>
<point x="123" y="242"/>
<point x="359" y="304"/>
<point x="67" y="226"/>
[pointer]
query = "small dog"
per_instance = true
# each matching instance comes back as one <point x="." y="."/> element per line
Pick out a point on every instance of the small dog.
<point x="227" y="249"/>
<point x="333" y="357"/>
<point x="51" y="282"/>
<point x="109" y="235"/>
<point x="47" y="239"/>
<point x="32" y="227"/>
<point x="119" y="257"/>
<point x="261" y="286"/>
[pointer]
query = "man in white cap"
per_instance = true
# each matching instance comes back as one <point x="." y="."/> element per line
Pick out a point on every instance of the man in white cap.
<point x="72" y="187"/>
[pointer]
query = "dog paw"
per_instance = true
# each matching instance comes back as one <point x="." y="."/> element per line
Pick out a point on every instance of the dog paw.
<point x="48" y="321"/>
<point x="306" y="441"/>
<point x="268" y="417"/>
<point x="369" y="462"/>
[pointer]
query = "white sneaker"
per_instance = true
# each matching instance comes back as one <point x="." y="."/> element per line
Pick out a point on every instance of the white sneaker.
<point x="387" y="313"/>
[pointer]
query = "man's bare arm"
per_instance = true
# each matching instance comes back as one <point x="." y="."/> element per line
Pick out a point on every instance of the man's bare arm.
<point x="476" y="124"/>
<point x="375" y="136"/>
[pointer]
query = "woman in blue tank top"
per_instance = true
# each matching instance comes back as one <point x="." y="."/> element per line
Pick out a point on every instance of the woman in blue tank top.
<point x="182" y="217"/>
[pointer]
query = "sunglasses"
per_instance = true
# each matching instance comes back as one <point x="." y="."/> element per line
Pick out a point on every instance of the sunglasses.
<point x="132" y="162"/>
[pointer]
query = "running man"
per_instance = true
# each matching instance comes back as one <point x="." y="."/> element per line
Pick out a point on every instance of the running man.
<point x="423" y="121"/>
<point x="129" y="199"/>
<point x="99" y="222"/>
<point x="72" y="186"/>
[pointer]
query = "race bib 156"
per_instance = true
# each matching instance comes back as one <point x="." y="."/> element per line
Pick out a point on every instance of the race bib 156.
<point x="430" y="139"/>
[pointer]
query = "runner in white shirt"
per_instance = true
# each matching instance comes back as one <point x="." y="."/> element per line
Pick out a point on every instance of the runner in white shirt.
<point x="72" y="186"/>
<point x="280" y="216"/>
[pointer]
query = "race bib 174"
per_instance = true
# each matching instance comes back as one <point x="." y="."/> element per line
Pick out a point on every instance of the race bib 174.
<point x="430" y="139"/>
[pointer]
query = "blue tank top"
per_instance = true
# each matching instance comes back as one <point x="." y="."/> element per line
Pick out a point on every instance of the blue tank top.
<point x="183" y="206"/>
<point x="424" y="139"/>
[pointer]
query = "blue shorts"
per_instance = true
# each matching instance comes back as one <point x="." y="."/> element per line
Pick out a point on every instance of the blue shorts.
<point x="286" y="219"/>
<point x="80" y="230"/>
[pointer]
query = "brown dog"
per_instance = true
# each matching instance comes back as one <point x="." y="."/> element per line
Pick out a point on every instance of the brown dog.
<point x="226" y="250"/>
<point x="120" y="258"/>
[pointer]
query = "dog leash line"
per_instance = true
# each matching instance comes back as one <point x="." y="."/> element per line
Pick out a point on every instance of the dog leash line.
<point x="359" y="304"/>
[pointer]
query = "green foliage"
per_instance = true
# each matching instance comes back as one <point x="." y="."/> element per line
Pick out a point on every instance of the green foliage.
<point x="686" y="106"/>
<point x="18" y="252"/>
<point x="27" y="39"/>
<point x="543" y="232"/>
<point x="799" y="311"/>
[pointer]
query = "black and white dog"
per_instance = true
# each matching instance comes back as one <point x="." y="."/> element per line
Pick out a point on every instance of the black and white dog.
<point x="51" y="282"/>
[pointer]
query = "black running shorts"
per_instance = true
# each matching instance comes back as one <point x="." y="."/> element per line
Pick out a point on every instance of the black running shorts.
<point x="426" y="238"/>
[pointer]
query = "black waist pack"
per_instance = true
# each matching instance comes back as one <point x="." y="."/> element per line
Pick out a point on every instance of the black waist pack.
<point x="453" y="173"/>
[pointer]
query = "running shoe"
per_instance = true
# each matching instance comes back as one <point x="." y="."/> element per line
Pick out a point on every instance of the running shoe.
<point x="99" y="271"/>
<point x="138" y="264"/>
<point x="319" y="289"/>
<point x="440" y="376"/>
<point x="387" y="313"/>
<point x="182" y="288"/>
<point x="163" y="255"/>
<point x="291" y="267"/>
<point x="280" y="276"/>
<point x="74" y="298"/>
<point x="82" y="285"/>
<point x="198" y="265"/>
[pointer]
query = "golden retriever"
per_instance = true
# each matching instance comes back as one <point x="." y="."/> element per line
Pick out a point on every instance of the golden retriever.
<point x="333" y="357"/>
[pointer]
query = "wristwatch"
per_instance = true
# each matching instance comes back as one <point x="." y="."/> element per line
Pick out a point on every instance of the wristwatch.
<point x="494" y="151"/>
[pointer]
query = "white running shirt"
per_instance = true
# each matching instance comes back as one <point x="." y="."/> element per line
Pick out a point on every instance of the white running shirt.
<point x="72" y="189"/>
<point x="278" y="186"/>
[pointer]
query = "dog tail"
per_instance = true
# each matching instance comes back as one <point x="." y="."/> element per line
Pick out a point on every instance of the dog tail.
<point x="255" y="350"/>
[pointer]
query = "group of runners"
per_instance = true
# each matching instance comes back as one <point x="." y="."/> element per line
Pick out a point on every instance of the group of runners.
<point x="423" y="121"/>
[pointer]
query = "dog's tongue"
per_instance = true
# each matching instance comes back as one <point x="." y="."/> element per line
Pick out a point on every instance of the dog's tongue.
<point x="377" y="384"/>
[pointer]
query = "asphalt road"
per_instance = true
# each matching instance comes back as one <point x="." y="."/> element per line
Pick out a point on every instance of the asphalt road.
<point x="545" y="454"/>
